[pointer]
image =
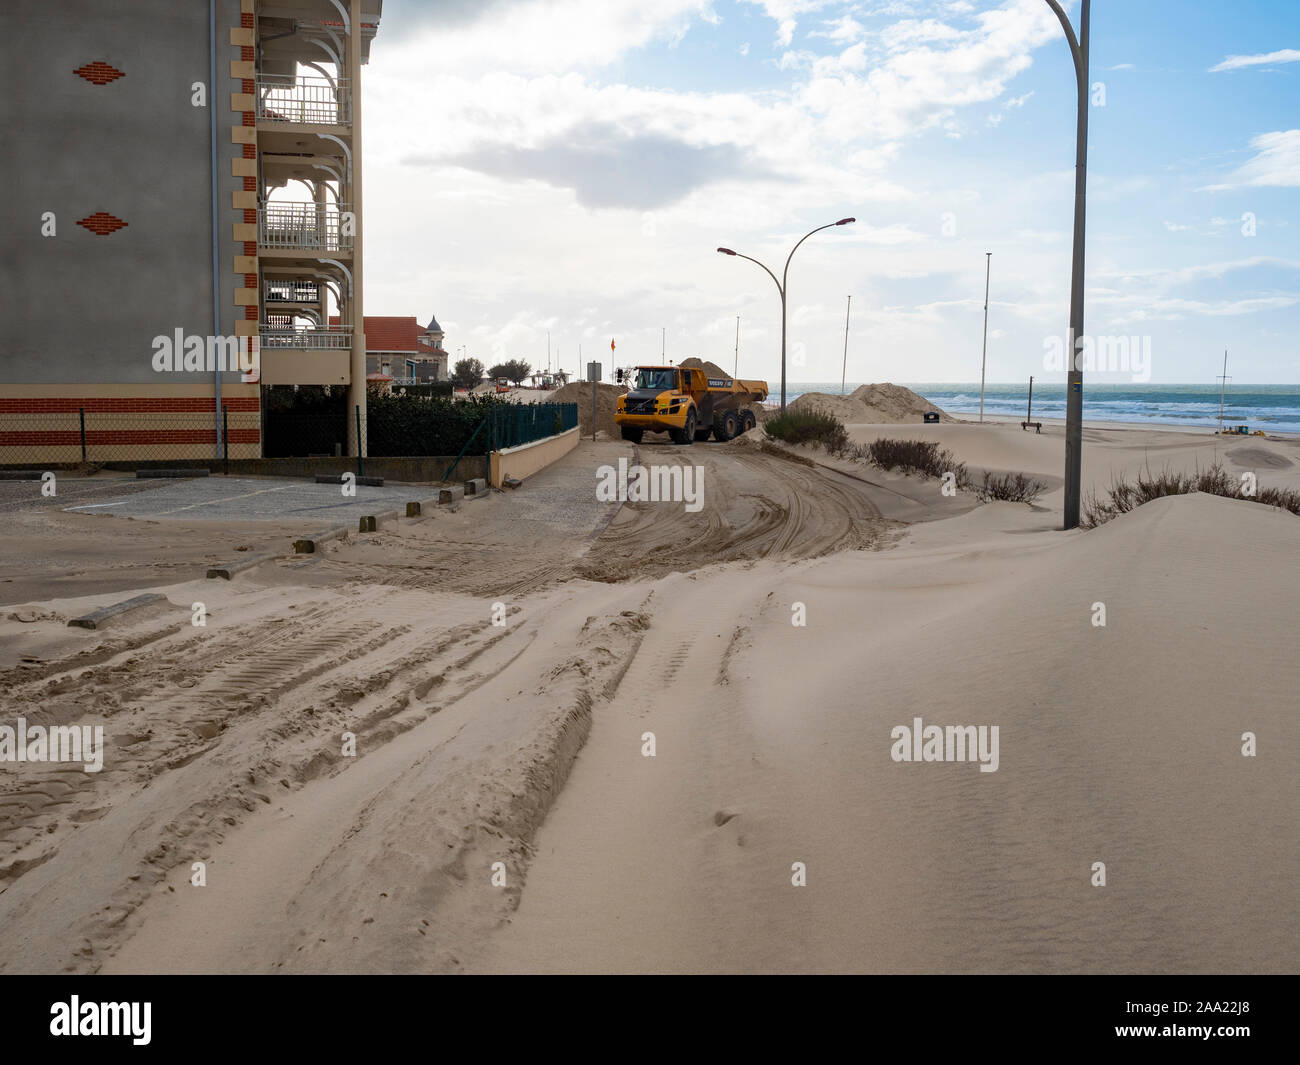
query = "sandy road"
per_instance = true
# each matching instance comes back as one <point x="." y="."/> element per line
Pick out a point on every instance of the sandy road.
<point x="378" y="637"/>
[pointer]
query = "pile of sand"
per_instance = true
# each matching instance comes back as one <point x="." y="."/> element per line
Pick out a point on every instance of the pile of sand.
<point x="579" y="392"/>
<point x="711" y="369"/>
<point x="885" y="403"/>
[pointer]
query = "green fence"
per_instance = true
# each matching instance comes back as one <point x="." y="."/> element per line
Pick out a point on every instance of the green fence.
<point x="522" y="423"/>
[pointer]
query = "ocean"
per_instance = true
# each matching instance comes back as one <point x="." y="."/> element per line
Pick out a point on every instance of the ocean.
<point x="1273" y="408"/>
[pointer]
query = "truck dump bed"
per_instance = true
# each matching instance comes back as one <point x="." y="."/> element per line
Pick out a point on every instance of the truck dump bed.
<point x="757" y="390"/>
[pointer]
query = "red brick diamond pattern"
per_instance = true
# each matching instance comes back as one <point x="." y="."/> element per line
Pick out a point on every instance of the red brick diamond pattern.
<point x="102" y="224"/>
<point x="98" y="73"/>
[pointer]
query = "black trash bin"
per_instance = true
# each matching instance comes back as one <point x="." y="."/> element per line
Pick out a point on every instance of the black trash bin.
<point x="931" y="416"/>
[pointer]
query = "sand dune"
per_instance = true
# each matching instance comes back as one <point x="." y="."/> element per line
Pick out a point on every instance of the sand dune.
<point x="1118" y="744"/>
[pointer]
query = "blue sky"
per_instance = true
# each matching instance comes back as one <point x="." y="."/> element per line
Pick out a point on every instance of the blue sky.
<point x="571" y="165"/>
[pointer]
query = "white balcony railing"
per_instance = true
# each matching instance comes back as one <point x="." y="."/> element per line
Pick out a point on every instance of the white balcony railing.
<point x="280" y="290"/>
<point x="309" y="100"/>
<point x="321" y="338"/>
<point x="308" y="226"/>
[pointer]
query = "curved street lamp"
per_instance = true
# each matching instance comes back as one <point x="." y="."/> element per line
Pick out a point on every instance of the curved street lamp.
<point x="1074" y="376"/>
<point x="781" y="285"/>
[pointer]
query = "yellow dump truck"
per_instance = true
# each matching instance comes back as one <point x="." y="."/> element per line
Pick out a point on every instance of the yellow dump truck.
<point x="686" y="404"/>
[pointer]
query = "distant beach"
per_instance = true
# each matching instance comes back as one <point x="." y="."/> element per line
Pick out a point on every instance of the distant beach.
<point x="1273" y="408"/>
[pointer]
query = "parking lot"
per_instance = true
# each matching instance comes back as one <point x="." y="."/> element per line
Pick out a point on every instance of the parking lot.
<point x="245" y="499"/>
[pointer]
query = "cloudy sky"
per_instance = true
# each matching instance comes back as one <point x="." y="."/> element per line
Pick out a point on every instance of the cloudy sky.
<point x="572" y="165"/>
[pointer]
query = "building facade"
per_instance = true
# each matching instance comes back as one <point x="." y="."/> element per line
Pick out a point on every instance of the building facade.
<point x="399" y="348"/>
<point x="163" y="272"/>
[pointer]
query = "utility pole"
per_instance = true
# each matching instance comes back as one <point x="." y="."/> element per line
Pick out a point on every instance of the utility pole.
<point x="845" y="368"/>
<point x="1074" y="377"/>
<point x="1223" y="384"/>
<point x="663" y="341"/>
<point x="736" y="370"/>
<point x="988" y="266"/>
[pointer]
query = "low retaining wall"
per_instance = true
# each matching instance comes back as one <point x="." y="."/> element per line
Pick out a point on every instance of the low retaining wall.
<point x="527" y="459"/>
<point x="418" y="468"/>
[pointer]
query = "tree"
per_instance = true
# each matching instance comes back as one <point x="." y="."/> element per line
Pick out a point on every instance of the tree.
<point x="516" y="370"/>
<point x="498" y="369"/>
<point x="467" y="373"/>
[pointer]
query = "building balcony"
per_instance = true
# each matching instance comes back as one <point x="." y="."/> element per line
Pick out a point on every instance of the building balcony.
<point x="307" y="227"/>
<point x="280" y="291"/>
<point x="317" y="338"/>
<point x="304" y="101"/>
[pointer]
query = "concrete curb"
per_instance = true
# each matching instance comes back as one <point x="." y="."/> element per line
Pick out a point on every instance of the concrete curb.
<point x="307" y="546"/>
<point x="229" y="569"/>
<point x="20" y="475"/>
<point x="371" y="522"/>
<point x="144" y="474"/>
<point x="415" y="510"/>
<point x="97" y="618"/>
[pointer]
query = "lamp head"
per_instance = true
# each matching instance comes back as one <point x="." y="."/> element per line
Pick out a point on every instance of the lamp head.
<point x="726" y="251"/>
<point x="845" y="221"/>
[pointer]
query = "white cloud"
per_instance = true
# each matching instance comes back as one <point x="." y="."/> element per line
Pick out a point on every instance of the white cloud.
<point x="1236" y="62"/>
<point x="538" y="35"/>
<point x="1174" y="227"/>
<point x="843" y="30"/>
<point x="1276" y="164"/>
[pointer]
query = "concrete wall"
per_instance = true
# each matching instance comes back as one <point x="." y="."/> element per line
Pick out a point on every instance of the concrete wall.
<point x="425" y="469"/>
<point x="84" y="308"/>
<point x="527" y="459"/>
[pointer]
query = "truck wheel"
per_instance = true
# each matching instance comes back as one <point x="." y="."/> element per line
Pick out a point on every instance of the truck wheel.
<point x="747" y="421"/>
<point x="724" y="426"/>
<point x="686" y="434"/>
<point x="632" y="434"/>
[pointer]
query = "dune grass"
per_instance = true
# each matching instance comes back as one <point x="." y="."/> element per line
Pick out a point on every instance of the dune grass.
<point x="809" y="427"/>
<point x="916" y="456"/>
<point x="1009" y="488"/>
<point x="1124" y="495"/>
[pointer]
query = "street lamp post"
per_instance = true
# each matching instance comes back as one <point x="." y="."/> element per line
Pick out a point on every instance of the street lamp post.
<point x="1074" y="375"/>
<point x="781" y="285"/>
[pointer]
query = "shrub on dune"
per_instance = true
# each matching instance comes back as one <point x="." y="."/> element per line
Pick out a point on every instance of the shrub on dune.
<point x="1009" y="488"/>
<point x="1124" y="496"/>
<point x="808" y="427"/>
<point x="916" y="456"/>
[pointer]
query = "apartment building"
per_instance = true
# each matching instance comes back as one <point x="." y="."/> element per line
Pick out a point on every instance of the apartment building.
<point x="160" y="267"/>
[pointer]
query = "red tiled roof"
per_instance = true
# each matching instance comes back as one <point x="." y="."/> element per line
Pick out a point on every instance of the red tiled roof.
<point x="392" y="334"/>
